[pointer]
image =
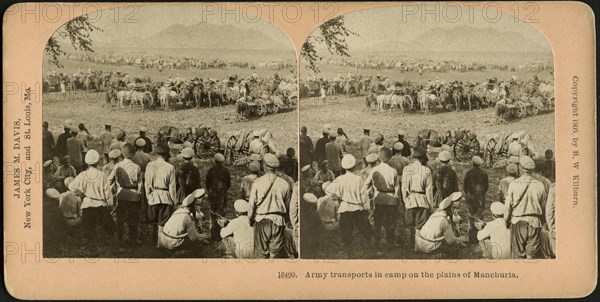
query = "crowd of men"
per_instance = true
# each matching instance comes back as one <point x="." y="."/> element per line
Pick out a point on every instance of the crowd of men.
<point x="400" y="195"/>
<point x="124" y="184"/>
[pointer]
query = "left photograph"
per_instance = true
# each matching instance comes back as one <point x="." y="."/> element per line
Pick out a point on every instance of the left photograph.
<point x="169" y="133"/>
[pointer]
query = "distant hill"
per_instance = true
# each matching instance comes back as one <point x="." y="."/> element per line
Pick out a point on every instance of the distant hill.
<point x="460" y="39"/>
<point x="201" y="36"/>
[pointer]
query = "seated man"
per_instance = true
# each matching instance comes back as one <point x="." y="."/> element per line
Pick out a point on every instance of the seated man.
<point x="436" y="237"/>
<point x="238" y="235"/>
<point x="494" y="237"/>
<point x="327" y="208"/>
<point x="180" y="230"/>
<point x="70" y="205"/>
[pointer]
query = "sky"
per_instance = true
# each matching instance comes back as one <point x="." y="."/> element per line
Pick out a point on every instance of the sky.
<point x="404" y="23"/>
<point x="145" y="21"/>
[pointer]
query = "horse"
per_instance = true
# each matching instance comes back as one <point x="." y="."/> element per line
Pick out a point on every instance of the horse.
<point x="426" y="99"/>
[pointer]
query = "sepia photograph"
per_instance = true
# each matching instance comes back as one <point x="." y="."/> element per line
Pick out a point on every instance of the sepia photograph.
<point x="427" y="137"/>
<point x="169" y="132"/>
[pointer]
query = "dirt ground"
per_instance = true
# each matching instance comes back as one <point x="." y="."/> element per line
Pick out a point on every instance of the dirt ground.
<point x="91" y="109"/>
<point x="350" y="114"/>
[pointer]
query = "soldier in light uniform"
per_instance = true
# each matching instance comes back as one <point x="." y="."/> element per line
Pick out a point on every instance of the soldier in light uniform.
<point x="93" y="187"/>
<point x="514" y="148"/>
<point x="181" y="229"/>
<point x="372" y="160"/>
<point x="114" y="156"/>
<point x="160" y="185"/>
<point x="383" y="185"/>
<point x="256" y="146"/>
<point x="354" y="205"/>
<point x="128" y="178"/>
<point x="417" y="192"/>
<point x="248" y="180"/>
<point x="268" y="209"/>
<point x="436" y="237"/>
<point x="512" y="171"/>
<point x="524" y="211"/>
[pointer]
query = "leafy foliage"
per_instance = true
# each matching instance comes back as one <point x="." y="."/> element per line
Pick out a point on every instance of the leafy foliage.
<point x="77" y="31"/>
<point x="333" y="34"/>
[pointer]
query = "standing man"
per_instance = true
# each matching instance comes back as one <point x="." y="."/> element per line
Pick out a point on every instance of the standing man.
<point x="512" y="171"/>
<point x="128" y="178"/>
<point x="61" y="141"/>
<point x="306" y="148"/>
<point x="148" y="145"/>
<point x="514" y="148"/>
<point x="333" y="154"/>
<point x="188" y="175"/>
<point x="523" y="211"/>
<point x="248" y="180"/>
<point x="160" y="186"/>
<point x="354" y="205"/>
<point x="417" y="192"/>
<point x="401" y="138"/>
<point x="445" y="180"/>
<point x="268" y="208"/>
<point x="142" y="159"/>
<point x="92" y="186"/>
<point x="365" y="142"/>
<point x="47" y="143"/>
<point x="383" y="185"/>
<point x="319" y="155"/>
<point x="75" y="150"/>
<point x="106" y="139"/>
<point x="398" y="161"/>
<point x="218" y="181"/>
<point x="256" y="145"/>
<point x="475" y="186"/>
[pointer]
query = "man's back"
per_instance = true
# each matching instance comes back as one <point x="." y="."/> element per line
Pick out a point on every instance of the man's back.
<point x="74" y="150"/>
<point x="320" y="149"/>
<point x="398" y="162"/>
<point x="218" y="178"/>
<point x="476" y="181"/>
<point x="333" y="153"/>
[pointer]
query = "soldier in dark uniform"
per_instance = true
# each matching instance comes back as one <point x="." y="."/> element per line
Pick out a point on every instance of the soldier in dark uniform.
<point x="401" y="138"/>
<point x="445" y="181"/>
<point x="148" y="146"/>
<point x="61" y="141"/>
<point x="306" y="148"/>
<point x="188" y="175"/>
<point x="319" y="155"/>
<point x="218" y="181"/>
<point x="475" y="186"/>
<point x="47" y="143"/>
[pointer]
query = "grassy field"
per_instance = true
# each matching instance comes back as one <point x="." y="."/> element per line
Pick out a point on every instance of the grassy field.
<point x="91" y="109"/>
<point x="350" y="114"/>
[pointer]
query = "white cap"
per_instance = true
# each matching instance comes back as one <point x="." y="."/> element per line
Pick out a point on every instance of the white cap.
<point x="310" y="198"/>
<point x="497" y="208"/>
<point x="52" y="193"/>
<point x="92" y="157"/>
<point x="241" y="206"/>
<point x="348" y="161"/>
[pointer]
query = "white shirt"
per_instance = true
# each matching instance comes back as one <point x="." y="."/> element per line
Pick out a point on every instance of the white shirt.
<point x="243" y="236"/>
<point x="499" y="237"/>
<point x="93" y="184"/>
<point x="180" y="226"/>
<point x="436" y="230"/>
<point x="160" y="182"/>
<point x="349" y="189"/>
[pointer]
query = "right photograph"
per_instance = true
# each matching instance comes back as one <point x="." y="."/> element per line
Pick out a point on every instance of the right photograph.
<point x="427" y="136"/>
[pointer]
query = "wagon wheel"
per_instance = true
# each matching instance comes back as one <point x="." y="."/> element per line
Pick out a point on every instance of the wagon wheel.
<point x="462" y="151"/>
<point x="522" y="111"/>
<point x="203" y="148"/>
<point x="230" y="152"/>
<point x="488" y="152"/>
<point x="535" y="109"/>
<point x="261" y="109"/>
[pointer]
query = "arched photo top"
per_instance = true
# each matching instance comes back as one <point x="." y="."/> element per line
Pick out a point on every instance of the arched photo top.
<point x="443" y="31"/>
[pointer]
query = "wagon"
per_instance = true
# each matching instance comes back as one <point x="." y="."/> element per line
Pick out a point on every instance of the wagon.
<point x="238" y="144"/>
<point x="248" y="107"/>
<point x="205" y="141"/>
<point x="524" y="107"/>
<point x="52" y="83"/>
<point x="496" y="146"/>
